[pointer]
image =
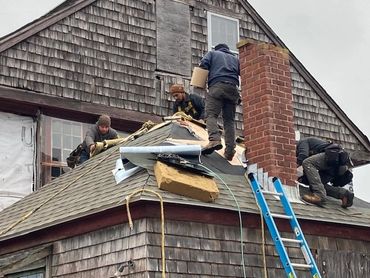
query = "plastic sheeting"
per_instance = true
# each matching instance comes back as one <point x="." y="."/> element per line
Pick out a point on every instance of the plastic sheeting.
<point x="17" y="153"/>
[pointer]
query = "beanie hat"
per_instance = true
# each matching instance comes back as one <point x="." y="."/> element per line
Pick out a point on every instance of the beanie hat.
<point x="177" y="88"/>
<point x="221" y="45"/>
<point x="104" y="120"/>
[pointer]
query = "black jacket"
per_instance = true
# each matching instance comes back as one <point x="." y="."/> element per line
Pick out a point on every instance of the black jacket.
<point x="192" y="105"/>
<point x="310" y="146"/>
<point x="223" y="66"/>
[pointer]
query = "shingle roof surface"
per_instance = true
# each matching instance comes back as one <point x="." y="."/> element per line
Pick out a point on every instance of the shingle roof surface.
<point x="91" y="188"/>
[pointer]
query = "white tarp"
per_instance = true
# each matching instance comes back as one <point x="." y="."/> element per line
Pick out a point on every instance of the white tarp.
<point x="17" y="157"/>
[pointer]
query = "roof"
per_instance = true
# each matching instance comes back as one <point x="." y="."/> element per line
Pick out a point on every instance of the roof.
<point x="91" y="188"/>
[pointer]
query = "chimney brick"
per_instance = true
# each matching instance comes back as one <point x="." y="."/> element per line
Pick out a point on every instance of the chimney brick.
<point x="268" y="108"/>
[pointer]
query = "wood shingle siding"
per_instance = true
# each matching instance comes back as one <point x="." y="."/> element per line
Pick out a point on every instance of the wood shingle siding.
<point x="104" y="53"/>
<point x="192" y="250"/>
<point x="111" y="53"/>
<point x="313" y="117"/>
<point x="99" y="254"/>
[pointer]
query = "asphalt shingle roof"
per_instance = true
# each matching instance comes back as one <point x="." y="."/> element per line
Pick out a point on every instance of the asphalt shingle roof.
<point x="91" y="188"/>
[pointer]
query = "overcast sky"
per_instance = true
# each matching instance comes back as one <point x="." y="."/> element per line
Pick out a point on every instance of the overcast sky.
<point x="331" y="38"/>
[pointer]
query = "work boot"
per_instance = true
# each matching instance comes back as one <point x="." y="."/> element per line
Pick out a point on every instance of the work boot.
<point x="229" y="155"/>
<point x="212" y="146"/>
<point x="313" y="199"/>
<point x="347" y="199"/>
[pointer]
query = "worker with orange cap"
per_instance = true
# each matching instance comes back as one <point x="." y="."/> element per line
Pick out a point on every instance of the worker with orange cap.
<point x="190" y="104"/>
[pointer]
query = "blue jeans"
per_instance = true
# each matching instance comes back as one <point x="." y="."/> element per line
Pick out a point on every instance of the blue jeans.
<point x="84" y="156"/>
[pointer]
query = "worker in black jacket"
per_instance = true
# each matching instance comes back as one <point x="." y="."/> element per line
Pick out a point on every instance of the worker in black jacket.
<point x="325" y="162"/>
<point x="222" y="96"/>
<point x="190" y="104"/>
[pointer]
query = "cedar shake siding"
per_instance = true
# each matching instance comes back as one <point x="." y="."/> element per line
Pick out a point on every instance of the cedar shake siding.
<point x="194" y="249"/>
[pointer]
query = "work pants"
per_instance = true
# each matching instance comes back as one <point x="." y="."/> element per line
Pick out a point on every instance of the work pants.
<point x="311" y="167"/>
<point x="222" y="97"/>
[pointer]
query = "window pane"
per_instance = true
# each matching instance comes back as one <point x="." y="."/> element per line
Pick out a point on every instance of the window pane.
<point x="67" y="142"/>
<point x="67" y="128"/>
<point x="56" y="155"/>
<point x="66" y="154"/>
<point x="224" y="30"/>
<point x="76" y="130"/>
<point x="75" y="142"/>
<point x="55" y="172"/>
<point x="57" y="126"/>
<point x="57" y="141"/>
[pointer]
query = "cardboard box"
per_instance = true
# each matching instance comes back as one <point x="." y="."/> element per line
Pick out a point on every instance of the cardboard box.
<point x="199" y="77"/>
<point x="185" y="183"/>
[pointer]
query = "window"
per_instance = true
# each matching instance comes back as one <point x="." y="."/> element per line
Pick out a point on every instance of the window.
<point x="222" y="29"/>
<point x="65" y="135"/>
<point x="27" y="263"/>
<point x="59" y="138"/>
<point x="38" y="273"/>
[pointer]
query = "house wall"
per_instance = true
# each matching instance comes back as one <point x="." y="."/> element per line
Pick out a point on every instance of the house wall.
<point x="204" y="250"/>
<point x="100" y="253"/>
<point x="196" y="250"/>
<point x="108" y="53"/>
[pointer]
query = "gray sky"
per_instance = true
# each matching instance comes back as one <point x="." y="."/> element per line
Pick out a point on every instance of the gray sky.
<point x="331" y="38"/>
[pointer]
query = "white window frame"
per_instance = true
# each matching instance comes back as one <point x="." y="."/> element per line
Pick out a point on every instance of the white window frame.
<point x="209" y="31"/>
<point x="63" y="159"/>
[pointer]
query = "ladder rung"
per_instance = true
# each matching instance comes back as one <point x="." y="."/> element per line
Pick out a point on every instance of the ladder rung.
<point x="306" y="266"/>
<point x="271" y="193"/>
<point x="291" y="240"/>
<point x="277" y="215"/>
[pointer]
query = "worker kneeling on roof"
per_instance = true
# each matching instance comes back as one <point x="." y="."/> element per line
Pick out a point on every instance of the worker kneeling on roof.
<point x="324" y="162"/>
<point x="190" y="104"/>
<point x="98" y="133"/>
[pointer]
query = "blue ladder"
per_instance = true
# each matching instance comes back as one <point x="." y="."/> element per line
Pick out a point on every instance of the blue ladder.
<point x="275" y="235"/>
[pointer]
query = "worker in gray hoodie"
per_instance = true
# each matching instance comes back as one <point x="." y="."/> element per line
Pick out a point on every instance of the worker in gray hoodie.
<point x="222" y="96"/>
<point x="98" y="133"/>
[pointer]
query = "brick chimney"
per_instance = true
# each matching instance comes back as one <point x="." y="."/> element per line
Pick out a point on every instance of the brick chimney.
<point x="267" y="108"/>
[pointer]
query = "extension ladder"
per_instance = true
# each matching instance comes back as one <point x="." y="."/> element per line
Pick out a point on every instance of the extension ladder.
<point x="275" y="235"/>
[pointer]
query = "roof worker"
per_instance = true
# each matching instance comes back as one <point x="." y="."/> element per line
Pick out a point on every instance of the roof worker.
<point x="222" y="95"/>
<point x="190" y="104"/>
<point x="98" y="133"/>
<point x="324" y="162"/>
